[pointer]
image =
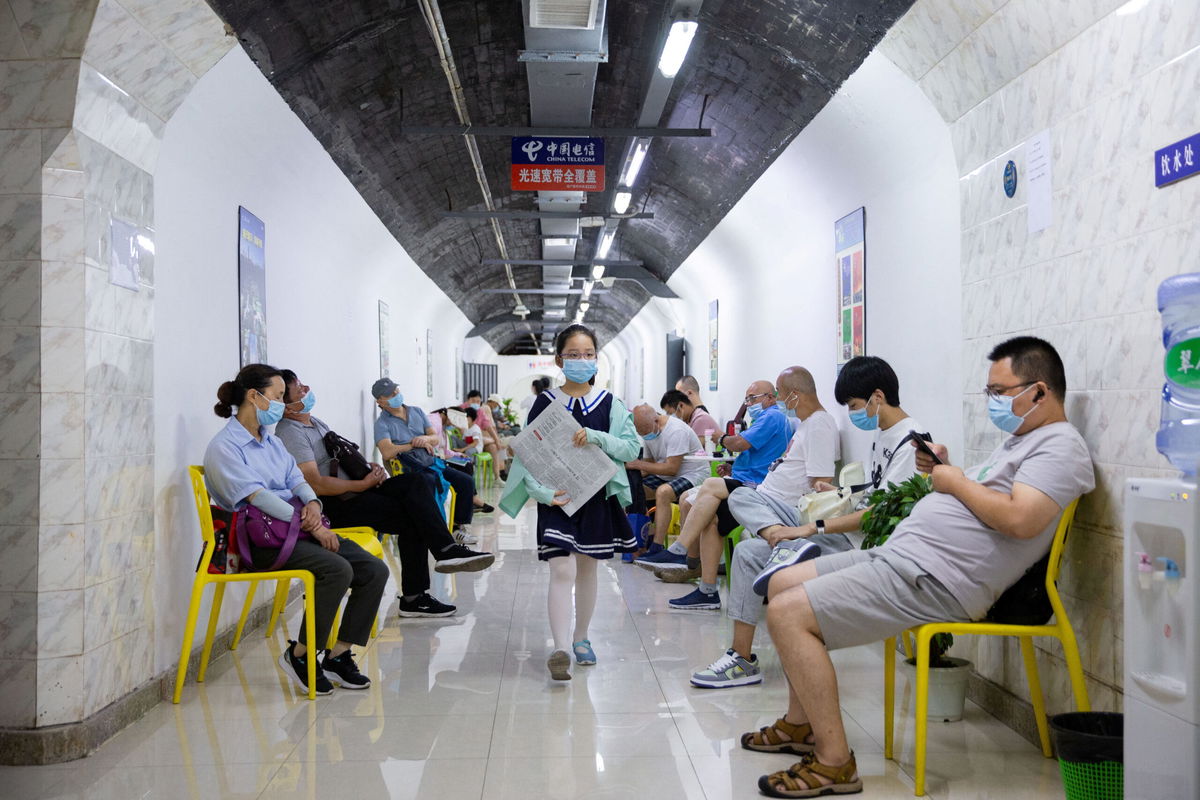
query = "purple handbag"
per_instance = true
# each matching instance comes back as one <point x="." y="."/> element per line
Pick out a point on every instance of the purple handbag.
<point x="263" y="530"/>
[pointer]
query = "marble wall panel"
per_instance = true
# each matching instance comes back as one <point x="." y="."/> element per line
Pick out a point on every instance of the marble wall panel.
<point x="53" y="28"/>
<point x="21" y="155"/>
<point x="62" y="416"/>
<point x="62" y="293"/>
<point x="62" y="359"/>
<point x="117" y="425"/>
<point x="20" y="293"/>
<point x="18" y="704"/>
<point x="60" y="695"/>
<point x="37" y="94"/>
<point x="120" y="187"/>
<point x="19" y="567"/>
<point x="11" y="46"/>
<point x="60" y="622"/>
<point x="116" y="119"/>
<point x="115" y="669"/>
<point x="18" y="614"/>
<point x="119" y="365"/>
<point x="929" y="31"/>
<point x="62" y="228"/>
<point x="60" y="497"/>
<point x="118" y="486"/>
<point x="19" y="487"/>
<point x="61" y="557"/>
<point x="20" y="226"/>
<point x="189" y="28"/>
<point x="19" y="414"/>
<point x="117" y="546"/>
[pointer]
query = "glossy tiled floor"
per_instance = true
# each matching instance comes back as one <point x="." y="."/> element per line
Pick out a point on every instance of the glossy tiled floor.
<point x="463" y="708"/>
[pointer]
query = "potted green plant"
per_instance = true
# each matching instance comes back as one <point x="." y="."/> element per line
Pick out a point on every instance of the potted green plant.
<point x="947" y="675"/>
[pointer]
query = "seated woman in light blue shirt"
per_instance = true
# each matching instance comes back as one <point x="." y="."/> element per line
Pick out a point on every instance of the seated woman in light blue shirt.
<point x="246" y="465"/>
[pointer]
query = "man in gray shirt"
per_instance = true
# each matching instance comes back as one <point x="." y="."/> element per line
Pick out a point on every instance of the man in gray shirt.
<point x="668" y="440"/>
<point x="949" y="561"/>
<point x="402" y="505"/>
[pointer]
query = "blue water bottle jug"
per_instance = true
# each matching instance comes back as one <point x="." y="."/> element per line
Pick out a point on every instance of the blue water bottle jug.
<point x="1179" y="428"/>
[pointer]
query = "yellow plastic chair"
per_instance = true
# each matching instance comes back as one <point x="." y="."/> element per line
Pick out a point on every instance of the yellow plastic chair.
<point x="1059" y="628"/>
<point x="204" y="578"/>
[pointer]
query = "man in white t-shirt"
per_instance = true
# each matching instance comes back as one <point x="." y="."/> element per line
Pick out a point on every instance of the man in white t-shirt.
<point x="667" y="440"/>
<point x="961" y="547"/>
<point x="809" y="458"/>
<point x="869" y="389"/>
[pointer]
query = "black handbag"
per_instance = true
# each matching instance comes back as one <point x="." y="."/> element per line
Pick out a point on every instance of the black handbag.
<point x="346" y="456"/>
<point x="1026" y="602"/>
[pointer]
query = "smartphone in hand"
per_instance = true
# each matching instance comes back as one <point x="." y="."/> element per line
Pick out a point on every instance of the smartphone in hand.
<point x="924" y="447"/>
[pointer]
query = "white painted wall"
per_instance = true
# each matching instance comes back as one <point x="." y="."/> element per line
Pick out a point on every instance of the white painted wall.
<point x="879" y="143"/>
<point x="329" y="261"/>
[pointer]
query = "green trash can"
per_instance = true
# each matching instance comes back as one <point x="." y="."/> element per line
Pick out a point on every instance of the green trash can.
<point x="1090" y="747"/>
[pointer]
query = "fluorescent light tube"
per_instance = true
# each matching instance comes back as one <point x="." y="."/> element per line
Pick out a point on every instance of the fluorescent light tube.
<point x="597" y="272"/>
<point x="605" y="244"/>
<point x="675" y="50"/>
<point x="634" y="165"/>
<point x="621" y="202"/>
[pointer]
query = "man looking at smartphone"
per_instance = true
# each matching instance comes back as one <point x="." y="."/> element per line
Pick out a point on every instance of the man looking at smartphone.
<point x="948" y="561"/>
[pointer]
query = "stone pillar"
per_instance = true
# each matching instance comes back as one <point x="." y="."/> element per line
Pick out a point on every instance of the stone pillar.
<point x="86" y="88"/>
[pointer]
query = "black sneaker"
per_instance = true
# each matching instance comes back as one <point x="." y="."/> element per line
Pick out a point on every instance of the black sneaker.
<point x="458" y="558"/>
<point x="425" y="606"/>
<point x="343" y="671"/>
<point x="504" y="475"/>
<point x="486" y="508"/>
<point x="297" y="668"/>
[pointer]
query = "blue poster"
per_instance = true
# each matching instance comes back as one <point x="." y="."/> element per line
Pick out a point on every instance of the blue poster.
<point x="252" y="288"/>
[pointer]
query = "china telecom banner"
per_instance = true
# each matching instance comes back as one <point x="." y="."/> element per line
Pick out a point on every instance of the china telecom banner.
<point x="557" y="163"/>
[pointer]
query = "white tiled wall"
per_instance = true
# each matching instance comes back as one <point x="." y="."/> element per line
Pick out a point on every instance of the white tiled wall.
<point x="1111" y="82"/>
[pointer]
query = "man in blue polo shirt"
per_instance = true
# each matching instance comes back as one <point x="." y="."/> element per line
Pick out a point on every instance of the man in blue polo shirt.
<point x="764" y="441"/>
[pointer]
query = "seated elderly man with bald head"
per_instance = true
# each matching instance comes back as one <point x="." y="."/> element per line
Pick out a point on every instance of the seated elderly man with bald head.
<point x="706" y="516"/>
<point x="665" y="475"/>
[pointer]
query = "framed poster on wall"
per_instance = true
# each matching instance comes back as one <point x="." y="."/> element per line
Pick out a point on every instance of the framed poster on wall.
<point x="252" y="288"/>
<point x="385" y="347"/>
<point x="712" y="345"/>
<point x="849" y="235"/>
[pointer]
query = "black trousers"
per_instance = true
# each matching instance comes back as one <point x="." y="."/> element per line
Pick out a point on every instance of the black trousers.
<point x="402" y="505"/>
<point x="351" y="568"/>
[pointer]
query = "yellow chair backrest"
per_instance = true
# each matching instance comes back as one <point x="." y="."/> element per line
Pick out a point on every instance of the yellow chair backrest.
<point x="203" y="509"/>
<point x="1057" y="548"/>
<point x="395" y="466"/>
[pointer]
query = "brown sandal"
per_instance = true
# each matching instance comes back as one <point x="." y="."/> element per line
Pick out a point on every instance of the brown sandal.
<point x="768" y="739"/>
<point x="803" y="779"/>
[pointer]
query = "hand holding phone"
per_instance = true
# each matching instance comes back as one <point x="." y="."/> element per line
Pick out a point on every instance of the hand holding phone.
<point x="923" y="447"/>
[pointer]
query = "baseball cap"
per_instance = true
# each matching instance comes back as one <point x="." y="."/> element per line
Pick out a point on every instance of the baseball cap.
<point x="384" y="387"/>
<point x="495" y="398"/>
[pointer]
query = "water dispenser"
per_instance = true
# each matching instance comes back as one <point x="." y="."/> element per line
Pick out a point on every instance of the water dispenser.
<point x="1162" y="639"/>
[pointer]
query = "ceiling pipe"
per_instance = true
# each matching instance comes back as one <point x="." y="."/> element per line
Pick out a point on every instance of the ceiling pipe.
<point x="441" y="40"/>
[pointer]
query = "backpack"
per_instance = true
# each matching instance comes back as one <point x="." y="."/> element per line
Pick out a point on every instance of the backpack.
<point x="345" y="455"/>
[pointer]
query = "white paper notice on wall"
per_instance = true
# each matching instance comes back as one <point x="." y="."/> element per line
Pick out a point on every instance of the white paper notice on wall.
<point x="124" y="268"/>
<point x="1037" y="182"/>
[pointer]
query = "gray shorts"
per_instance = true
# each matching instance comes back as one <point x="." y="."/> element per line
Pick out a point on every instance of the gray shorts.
<point x="863" y="596"/>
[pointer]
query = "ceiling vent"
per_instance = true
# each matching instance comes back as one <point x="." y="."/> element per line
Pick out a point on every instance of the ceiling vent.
<point x="573" y="14"/>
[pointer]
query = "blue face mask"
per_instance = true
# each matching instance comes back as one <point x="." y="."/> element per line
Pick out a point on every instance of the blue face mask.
<point x="862" y="420"/>
<point x="475" y="406"/>
<point x="273" y="414"/>
<point x="398" y="400"/>
<point x="309" y="400"/>
<point x="579" y="371"/>
<point x="1001" y="414"/>
<point x="753" y="411"/>
<point x="650" y="437"/>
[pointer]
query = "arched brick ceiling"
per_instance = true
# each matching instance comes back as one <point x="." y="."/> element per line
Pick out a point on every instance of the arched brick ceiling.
<point x="355" y="71"/>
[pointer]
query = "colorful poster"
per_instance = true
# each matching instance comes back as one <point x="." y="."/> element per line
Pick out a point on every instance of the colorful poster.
<point x="712" y="345"/>
<point x="428" y="363"/>
<point x="252" y="288"/>
<point x="385" y="347"/>
<point x="849" y="235"/>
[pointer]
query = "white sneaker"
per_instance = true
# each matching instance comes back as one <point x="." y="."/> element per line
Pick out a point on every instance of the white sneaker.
<point x="463" y="536"/>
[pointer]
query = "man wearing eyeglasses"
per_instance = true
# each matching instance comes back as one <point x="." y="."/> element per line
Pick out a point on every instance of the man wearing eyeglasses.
<point x="961" y="547"/>
<point x="705" y="506"/>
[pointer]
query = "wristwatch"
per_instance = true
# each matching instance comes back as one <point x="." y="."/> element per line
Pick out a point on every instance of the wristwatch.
<point x="820" y="526"/>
